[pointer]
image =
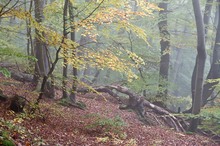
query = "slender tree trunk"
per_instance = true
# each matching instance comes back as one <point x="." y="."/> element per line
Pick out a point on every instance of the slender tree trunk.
<point x="38" y="45"/>
<point x="165" y="49"/>
<point x="207" y="15"/>
<point x="95" y="78"/>
<point x="30" y="48"/>
<point x="206" y="20"/>
<point x="214" y="71"/>
<point x="200" y="64"/>
<point x="65" y="66"/>
<point x="72" y="35"/>
<point x="177" y="67"/>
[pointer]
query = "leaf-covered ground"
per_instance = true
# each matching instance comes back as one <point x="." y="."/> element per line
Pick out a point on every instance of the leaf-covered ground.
<point x="59" y="125"/>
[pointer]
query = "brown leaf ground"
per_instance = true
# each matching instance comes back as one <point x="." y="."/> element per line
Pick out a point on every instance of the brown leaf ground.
<point x="59" y="125"/>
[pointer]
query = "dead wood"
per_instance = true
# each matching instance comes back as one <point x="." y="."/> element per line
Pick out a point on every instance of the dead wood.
<point x="2" y="96"/>
<point x="17" y="74"/>
<point x="23" y="77"/>
<point x="15" y="103"/>
<point x="138" y="104"/>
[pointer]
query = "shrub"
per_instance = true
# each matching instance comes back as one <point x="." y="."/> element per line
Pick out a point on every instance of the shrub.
<point x="211" y="119"/>
<point x="107" y="125"/>
<point x="173" y="103"/>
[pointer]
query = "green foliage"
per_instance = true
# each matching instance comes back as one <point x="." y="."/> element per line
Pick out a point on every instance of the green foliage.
<point x="7" y="143"/>
<point x="68" y="102"/>
<point x="8" y="129"/>
<point x="5" y="72"/>
<point x="107" y="125"/>
<point x="81" y="104"/>
<point x="173" y="103"/>
<point x="211" y="119"/>
<point x="149" y="83"/>
<point x="64" y="102"/>
<point x="9" y="50"/>
<point x="14" y="129"/>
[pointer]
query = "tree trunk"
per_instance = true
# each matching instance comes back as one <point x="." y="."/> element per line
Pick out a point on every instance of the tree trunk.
<point x="138" y="104"/>
<point x="42" y="66"/>
<point x="207" y="15"/>
<point x="165" y="50"/>
<point x="65" y="69"/>
<point x="214" y="71"/>
<point x="200" y="64"/>
<point x="28" y="29"/>
<point x="206" y="20"/>
<point x="72" y="35"/>
<point x="94" y="80"/>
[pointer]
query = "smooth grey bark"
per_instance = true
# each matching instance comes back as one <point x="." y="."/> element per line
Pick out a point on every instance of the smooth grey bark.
<point x="200" y="64"/>
<point x="65" y="66"/>
<point x="95" y="78"/>
<point x="42" y="64"/>
<point x="165" y="48"/>
<point x="30" y="49"/>
<point x="74" y="69"/>
<point x="214" y="72"/>
<point x="177" y="67"/>
<point x="207" y="15"/>
<point x="206" y="21"/>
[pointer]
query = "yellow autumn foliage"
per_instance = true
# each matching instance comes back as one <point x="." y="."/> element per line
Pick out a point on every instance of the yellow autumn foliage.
<point x="113" y="13"/>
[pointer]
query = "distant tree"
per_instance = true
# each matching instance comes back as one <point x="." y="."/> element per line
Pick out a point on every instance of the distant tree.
<point x="30" y="49"/>
<point x="87" y="18"/>
<point x="199" y="65"/>
<point x="165" y="49"/>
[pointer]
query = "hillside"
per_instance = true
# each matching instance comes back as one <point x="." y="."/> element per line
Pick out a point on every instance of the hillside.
<point x="102" y="123"/>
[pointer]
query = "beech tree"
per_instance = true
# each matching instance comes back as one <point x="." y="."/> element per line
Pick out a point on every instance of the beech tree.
<point x="214" y="72"/>
<point x="42" y="64"/>
<point x="41" y="52"/>
<point x="199" y="65"/>
<point x="65" y="64"/>
<point x="165" y="49"/>
<point x="74" y="55"/>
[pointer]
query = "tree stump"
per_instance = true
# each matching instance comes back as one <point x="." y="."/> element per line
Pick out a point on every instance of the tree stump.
<point x="17" y="103"/>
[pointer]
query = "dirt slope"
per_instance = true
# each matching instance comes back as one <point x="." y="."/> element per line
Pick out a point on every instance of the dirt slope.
<point x="59" y="125"/>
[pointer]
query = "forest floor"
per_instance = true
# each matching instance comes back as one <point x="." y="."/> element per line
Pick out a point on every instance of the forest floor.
<point x="102" y="123"/>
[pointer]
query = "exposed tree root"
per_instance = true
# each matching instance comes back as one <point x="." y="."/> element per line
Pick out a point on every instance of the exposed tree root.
<point x="138" y="104"/>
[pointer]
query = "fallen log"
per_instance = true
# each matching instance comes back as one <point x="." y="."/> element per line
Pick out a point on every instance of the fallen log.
<point x="2" y="96"/>
<point x="17" y="75"/>
<point x="15" y="103"/>
<point x="138" y="104"/>
<point x="23" y="77"/>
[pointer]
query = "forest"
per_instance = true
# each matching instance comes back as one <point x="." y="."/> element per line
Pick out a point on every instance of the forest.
<point x="110" y="72"/>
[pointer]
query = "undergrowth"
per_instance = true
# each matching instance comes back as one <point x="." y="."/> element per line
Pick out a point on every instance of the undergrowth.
<point x="104" y="125"/>
<point x="211" y="119"/>
<point x="12" y="131"/>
